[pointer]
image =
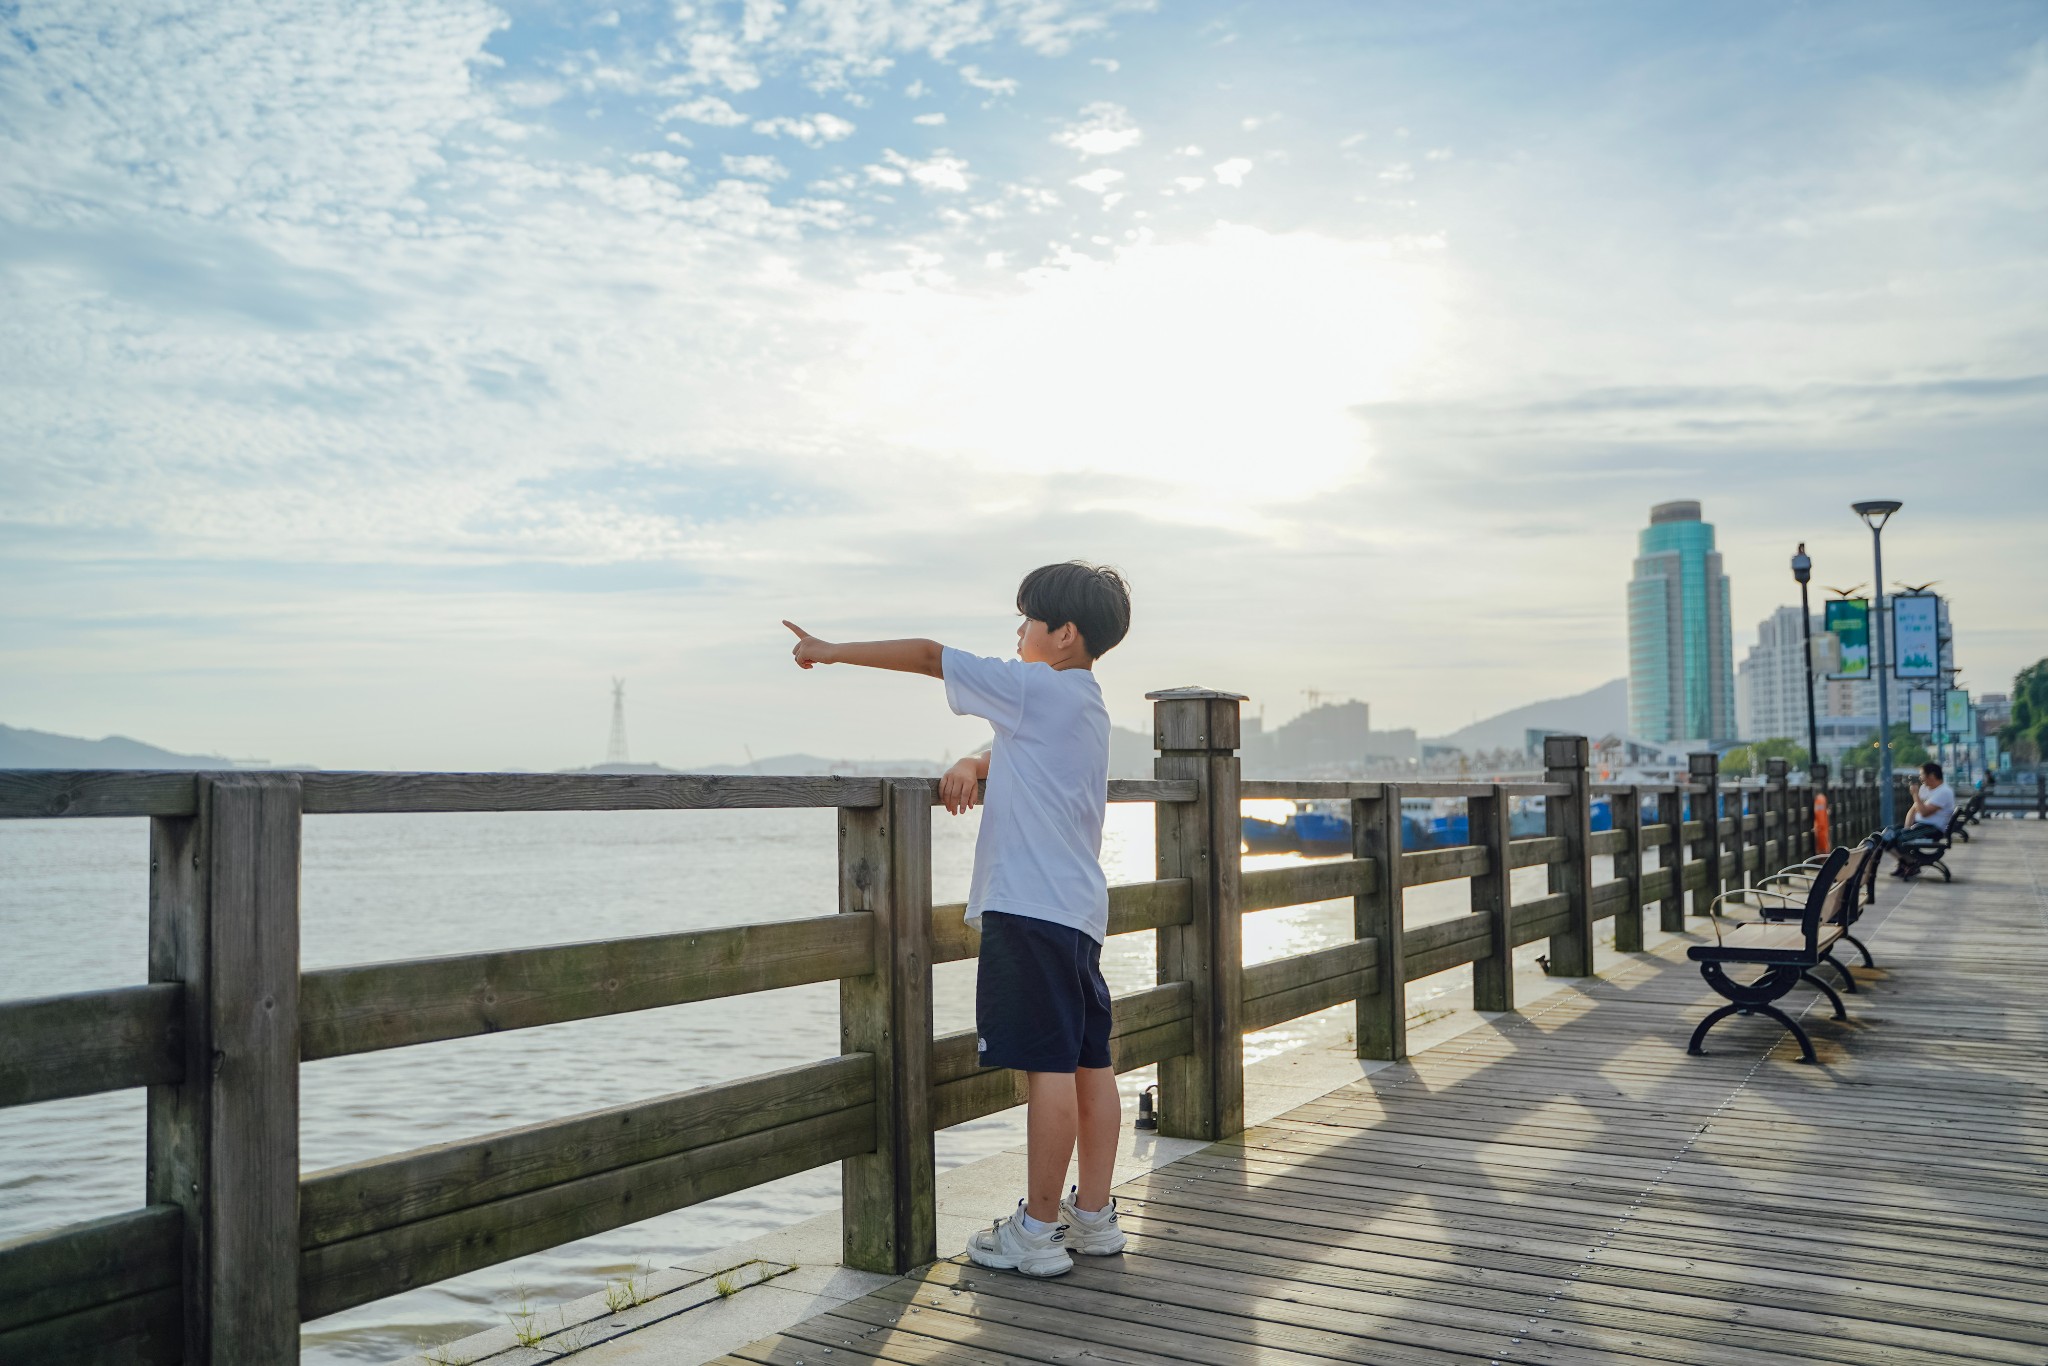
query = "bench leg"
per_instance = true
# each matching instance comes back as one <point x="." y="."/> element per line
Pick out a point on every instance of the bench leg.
<point x="1860" y="949"/>
<point x="1848" y="982"/>
<point x="1699" y="1035"/>
<point x="1805" y="1044"/>
<point x="1754" y="998"/>
<point x="1829" y="991"/>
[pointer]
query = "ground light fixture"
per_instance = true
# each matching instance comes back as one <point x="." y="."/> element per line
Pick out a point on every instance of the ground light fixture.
<point x="1875" y="512"/>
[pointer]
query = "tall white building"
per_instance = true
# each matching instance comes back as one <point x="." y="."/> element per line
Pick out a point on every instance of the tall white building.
<point x="1770" y="683"/>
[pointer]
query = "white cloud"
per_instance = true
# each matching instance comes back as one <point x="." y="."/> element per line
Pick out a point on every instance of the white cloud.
<point x="917" y="90"/>
<point x="1191" y="150"/>
<point x="931" y="120"/>
<point x="813" y="130"/>
<point x="1108" y="64"/>
<point x="994" y="85"/>
<point x="668" y="163"/>
<point x="1101" y="180"/>
<point x="1103" y="129"/>
<point x="941" y="171"/>
<point x="1398" y="173"/>
<point x="756" y="167"/>
<point x="1190" y="183"/>
<point x="707" y="109"/>
<point x="717" y="58"/>
<point x="1231" y="172"/>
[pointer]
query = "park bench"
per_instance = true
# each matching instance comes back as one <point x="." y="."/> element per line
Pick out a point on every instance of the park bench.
<point x="1783" y="896"/>
<point x="1915" y="854"/>
<point x="1971" y="812"/>
<point x="1787" y="950"/>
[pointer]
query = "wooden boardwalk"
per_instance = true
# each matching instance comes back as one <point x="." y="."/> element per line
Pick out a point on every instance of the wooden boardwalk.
<point x="1566" y="1185"/>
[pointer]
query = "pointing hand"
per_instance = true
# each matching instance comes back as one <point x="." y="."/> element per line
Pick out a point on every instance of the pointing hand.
<point x="809" y="649"/>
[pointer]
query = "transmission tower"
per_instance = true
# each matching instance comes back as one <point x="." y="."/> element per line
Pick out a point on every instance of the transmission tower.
<point x="615" y="752"/>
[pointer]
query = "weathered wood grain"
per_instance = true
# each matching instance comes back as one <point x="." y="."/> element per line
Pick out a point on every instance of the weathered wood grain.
<point x="387" y="1192"/>
<point x="1627" y="807"/>
<point x="85" y="1265"/>
<point x="1493" y="975"/>
<point x="1300" y="884"/>
<point x="346" y="793"/>
<point x="363" y="1008"/>
<point x="1541" y="917"/>
<point x="1447" y="944"/>
<point x="142" y="1330"/>
<point x="1379" y="915"/>
<point x="1441" y="865"/>
<point x="1571" y="873"/>
<point x="1149" y="1026"/>
<point x="39" y="793"/>
<point x="1285" y="989"/>
<point x="1150" y="790"/>
<point x="336" y="1276"/>
<point x="1536" y="851"/>
<point x="91" y="1041"/>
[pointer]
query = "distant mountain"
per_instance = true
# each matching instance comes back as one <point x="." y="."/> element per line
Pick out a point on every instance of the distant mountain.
<point x="41" y="749"/>
<point x="1601" y="711"/>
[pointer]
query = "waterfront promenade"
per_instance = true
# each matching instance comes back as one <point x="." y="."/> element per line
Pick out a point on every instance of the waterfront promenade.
<point x="1565" y="1184"/>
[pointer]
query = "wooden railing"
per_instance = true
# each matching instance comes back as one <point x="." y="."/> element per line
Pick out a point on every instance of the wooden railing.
<point x="234" y="1248"/>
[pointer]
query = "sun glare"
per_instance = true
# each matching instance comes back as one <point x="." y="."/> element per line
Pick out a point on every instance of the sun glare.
<point x="1226" y="367"/>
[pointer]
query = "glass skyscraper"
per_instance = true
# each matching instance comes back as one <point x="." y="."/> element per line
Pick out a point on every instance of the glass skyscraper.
<point x="1681" y="668"/>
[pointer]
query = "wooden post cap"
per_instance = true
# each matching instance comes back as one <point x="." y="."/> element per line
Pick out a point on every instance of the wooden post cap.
<point x="1565" y="751"/>
<point x="1184" y="694"/>
<point x="1703" y="765"/>
<point x="1817" y="774"/>
<point x="1775" y="769"/>
<point x="1197" y="719"/>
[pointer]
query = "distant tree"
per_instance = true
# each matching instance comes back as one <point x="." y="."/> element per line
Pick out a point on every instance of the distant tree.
<point x="1747" y="761"/>
<point x="2026" y="735"/>
<point x="1908" y="750"/>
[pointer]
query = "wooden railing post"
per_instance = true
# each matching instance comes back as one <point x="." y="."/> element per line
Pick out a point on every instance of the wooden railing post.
<point x="1705" y="771"/>
<point x="1201" y="1093"/>
<point x="888" y="1201"/>
<point x="1382" y="1024"/>
<point x="1628" y="867"/>
<point x="1570" y="818"/>
<point x="1756" y="802"/>
<point x="1777" y="819"/>
<point x="1493" y="977"/>
<point x="224" y="1143"/>
<point x="1671" y="858"/>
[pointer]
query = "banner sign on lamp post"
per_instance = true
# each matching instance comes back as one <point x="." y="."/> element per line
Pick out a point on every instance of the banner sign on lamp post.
<point x="1958" y="714"/>
<point x="1920" y="714"/>
<point x="1916" y="638"/>
<point x="1848" y="621"/>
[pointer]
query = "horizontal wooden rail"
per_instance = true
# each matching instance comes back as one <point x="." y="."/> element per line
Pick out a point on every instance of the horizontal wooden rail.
<point x="1443" y="865"/>
<point x="103" y="1290"/>
<point x="1312" y="790"/>
<point x="379" y="1227"/>
<point x="1133" y="906"/>
<point x="1302" y="883"/>
<point x="1149" y="1026"/>
<point x="365" y="1008"/>
<point x="91" y="1041"/>
<point x="1430" y="949"/>
<point x="1284" y="989"/>
<point x="35" y="793"/>
<point x="1541" y="917"/>
<point x="1537" y="849"/>
<point x="1606" y="842"/>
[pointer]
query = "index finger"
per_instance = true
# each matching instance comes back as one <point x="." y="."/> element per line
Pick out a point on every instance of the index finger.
<point x="798" y="629"/>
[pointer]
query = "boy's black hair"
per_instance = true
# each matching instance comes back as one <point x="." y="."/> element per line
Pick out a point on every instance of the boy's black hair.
<point x="1093" y="597"/>
<point x="1932" y="770"/>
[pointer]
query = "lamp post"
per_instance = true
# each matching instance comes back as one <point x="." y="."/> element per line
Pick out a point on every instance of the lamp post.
<point x="1875" y="513"/>
<point x="1802" y="570"/>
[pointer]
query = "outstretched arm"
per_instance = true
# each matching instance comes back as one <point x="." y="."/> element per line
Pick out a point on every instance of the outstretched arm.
<point x="904" y="656"/>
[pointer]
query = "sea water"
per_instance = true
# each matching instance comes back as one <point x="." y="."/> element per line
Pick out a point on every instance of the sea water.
<point x="74" y="916"/>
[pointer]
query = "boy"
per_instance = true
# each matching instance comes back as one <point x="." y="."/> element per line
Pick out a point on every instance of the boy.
<point x="1038" y="892"/>
<point x="1934" y="806"/>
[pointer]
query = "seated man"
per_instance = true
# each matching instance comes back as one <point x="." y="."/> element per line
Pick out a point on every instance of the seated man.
<point x="1934" y="806"/>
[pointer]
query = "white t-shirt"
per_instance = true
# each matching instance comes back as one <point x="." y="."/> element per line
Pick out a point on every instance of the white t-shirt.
<point x="1943" y="800"/>
<point x="1039" y="852"/>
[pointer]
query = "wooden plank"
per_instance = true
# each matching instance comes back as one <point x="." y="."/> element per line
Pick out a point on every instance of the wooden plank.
<point x="40" y="793"/>
<point x="1607" y="841"/>
<point x="1571" y="949"/>
<point x="364" y="1008"/>
<point x="1540" y="849"/>
<point x="142" y="1330"/>
<point x="886" y="1189"/>
<point x="348" y="793"/>
<point x="85" y="1265"/>
<point x="1541" y="917"/>
<point x="1201" y="1092"/>
<point x="1610" y="899"/>
<point x="224" y="1143"/>
<point x="1285" y="989"/>
<point x="387" y="1192"/>
<point x="1705" y="770"/>
<point x="1447" y="944"/>
<point x="1303" y="790"/>
<point x="1382" y="1014"/>
<point x="1150" y="790"/>
<point x="1627" y="807"/>
<point x="336" y="1276"/>
<point x="1301" y="884"/>
<point x="1133" y="906"/>
<point x="1670" y="891"/>
<point x="91" y="1041"/>
<point x="1493" y="975"/>
<point x="1442" y="865"/>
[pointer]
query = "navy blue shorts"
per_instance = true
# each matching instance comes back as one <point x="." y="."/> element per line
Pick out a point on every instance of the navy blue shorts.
<point x="1040" y="1004"/>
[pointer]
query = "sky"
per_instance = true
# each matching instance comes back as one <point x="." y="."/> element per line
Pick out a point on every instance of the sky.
<point x="379" y="379"/>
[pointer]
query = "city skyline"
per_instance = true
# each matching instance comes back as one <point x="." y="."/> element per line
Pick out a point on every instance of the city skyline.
<point x="376" y="383"/>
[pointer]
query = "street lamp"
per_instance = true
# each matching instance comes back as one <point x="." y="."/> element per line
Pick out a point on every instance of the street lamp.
<point x="1875" y="513"/>
<point x="1802" y="570"/>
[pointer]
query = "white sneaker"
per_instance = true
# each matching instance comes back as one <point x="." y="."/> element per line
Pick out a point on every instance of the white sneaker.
<point x="1094" y="1235"/>
<point x="1007" y="1245"/>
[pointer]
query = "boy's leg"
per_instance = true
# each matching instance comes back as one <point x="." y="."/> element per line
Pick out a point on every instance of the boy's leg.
<point x="1100" y="1119"/>
<point x="1049" y="1125"/>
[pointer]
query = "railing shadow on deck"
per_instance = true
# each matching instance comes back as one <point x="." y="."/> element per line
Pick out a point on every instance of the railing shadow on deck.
<point x="234" y="1249"/>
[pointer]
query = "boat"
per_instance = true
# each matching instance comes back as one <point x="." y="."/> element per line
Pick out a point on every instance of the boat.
<point x="1322" y="829"/>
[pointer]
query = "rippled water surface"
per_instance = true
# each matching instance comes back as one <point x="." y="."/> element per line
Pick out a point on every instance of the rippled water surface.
<point x="73" y="916"/>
